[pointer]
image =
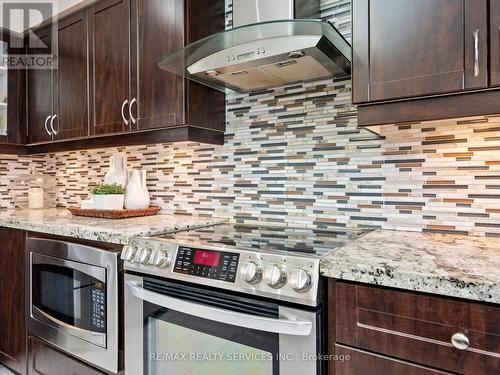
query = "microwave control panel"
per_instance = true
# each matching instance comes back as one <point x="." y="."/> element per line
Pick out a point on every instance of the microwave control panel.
<point x="98" y="310"/>
<point x="209" y="264"/>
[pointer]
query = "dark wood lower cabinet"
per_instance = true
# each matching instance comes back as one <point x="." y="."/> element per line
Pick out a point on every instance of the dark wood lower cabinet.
<point x="411" y="327"/>
<point x="12" y="295"/>
<point x="358" y="362"/>
<point x="45" y="360"/>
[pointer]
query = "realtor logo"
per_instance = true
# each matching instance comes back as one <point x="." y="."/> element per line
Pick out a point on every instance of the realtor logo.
<point x="28" y="49"/>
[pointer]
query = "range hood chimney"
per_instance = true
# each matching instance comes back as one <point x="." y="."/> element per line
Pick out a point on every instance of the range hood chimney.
<point x="268" y="46"/>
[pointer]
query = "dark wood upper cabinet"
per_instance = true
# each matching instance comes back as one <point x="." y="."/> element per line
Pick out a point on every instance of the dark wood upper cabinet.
<point x="157" y="95"/>
<point x="71" y="78"/>
<point x="110" y="66"/>
<point x="495" y="43"/>
<point x="406" y="48"/>
<point x="40" y="94"/>
<point x="57" y="99"/>
<point x="16" y="92"/>
<point x="12" y="295"/>
<point x="108" y="83"/>
<point x="129" y="91"/>
<point x="160" y="98"/>
<point x="205" y="107"/>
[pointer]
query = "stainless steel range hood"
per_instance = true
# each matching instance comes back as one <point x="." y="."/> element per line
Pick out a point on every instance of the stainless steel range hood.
<point x="264" y="54"/>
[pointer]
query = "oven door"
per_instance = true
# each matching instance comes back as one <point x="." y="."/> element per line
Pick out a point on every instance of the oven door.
<point x="173" y="328"/>
<point x="69" y="296"/>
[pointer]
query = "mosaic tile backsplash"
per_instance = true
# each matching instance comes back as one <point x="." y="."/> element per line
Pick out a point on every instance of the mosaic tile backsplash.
<point x="294" y="156"/>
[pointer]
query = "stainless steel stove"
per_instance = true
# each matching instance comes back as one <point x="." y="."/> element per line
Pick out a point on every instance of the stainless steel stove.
<point x="248" y="296"/>
<point x="274" y="262"/>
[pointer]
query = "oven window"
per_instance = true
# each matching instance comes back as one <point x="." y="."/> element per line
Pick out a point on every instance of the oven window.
<point x="176" y="343"/>
<point x="65" y="294"/>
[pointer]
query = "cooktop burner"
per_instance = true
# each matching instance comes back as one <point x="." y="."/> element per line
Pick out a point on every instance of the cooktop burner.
<point x="313" y="242"/>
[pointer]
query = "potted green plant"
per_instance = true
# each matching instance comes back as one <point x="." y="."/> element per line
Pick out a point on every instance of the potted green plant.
<point x="108" y="197"/>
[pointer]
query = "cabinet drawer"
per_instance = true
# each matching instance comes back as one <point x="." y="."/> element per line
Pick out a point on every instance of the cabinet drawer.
<point x="418" y="328"/>
<point x="361" y="363"/>
<point x="43" y="360"/>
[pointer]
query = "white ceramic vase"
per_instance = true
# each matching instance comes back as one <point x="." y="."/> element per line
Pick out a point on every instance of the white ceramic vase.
<point x="137" y="194"/>
<point x="108" y="202"/>
<point x="117" y="173"/>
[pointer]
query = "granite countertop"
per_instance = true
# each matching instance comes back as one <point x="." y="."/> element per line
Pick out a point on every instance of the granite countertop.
<point x="451" y="265"/>
<point x="59" y="221"/>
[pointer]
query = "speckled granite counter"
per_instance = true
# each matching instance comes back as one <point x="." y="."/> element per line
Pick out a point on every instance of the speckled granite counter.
<point x="59" y="221"/>
<point x="450" y="265"/>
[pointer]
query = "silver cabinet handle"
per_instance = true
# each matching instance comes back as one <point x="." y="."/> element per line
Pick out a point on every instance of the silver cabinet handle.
<point x="123" y="114"/>
<point x="130" y="111"/>
<point x="52" y="125"/>
<point x="281" y="326"/>
<point x="460" y="341"/>
<point x="46" y="128"/>
<point x="476" y="52"/>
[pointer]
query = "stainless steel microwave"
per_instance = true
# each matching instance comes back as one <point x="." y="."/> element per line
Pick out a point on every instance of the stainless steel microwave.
<point x="73" y="299"/>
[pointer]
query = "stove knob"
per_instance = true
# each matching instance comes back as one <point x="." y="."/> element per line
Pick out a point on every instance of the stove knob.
<point x="300" y="280"/>
<point x="252" y="272"/>
<point x="144" y="255"/>
<point x="161" y="259"/>
<point x="128" y="253"/>
<point x="274" y="276"/>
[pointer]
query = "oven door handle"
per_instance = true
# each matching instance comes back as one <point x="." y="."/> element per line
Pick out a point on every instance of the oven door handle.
<point x="280" y="326"/>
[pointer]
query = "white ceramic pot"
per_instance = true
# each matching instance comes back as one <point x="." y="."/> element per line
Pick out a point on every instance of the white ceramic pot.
<point x="137" y="194"/>
<point x="108" y="202"/>
<point x="117" y="173"/>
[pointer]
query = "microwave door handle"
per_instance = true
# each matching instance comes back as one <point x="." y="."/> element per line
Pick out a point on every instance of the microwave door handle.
<point x="280" y="326"/>
<point x="42" y="315"/>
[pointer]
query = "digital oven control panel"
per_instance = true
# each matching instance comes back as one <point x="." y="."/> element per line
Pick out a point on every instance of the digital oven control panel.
<point x="209" y="264"/>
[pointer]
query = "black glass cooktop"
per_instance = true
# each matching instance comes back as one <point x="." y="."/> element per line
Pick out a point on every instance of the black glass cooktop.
<point x="315" y="242"/>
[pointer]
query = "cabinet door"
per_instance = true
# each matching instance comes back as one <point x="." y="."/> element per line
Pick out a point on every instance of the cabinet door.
<point x="40" y="91"/>
<point x="14" y="105"/>
<point x="110" y="70"/>
<point x="44" y="360"/>
<point x="12" y="294"/>
<point x="408" y="48"/>
<point x="417" y="327"/>
<point x="71" y="78"/>
<point x="495" y="42"/>
<point x="157" y="31"/>
<point x="357" y="362"/>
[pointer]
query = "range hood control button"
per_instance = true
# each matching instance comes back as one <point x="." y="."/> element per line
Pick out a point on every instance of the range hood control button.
<point x="161" y="259"/>
<point x="252" y="272"/>
<point x="274" y="276"/>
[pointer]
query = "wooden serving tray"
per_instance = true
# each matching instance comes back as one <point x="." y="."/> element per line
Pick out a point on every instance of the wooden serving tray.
<point x="114" y="214"/>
